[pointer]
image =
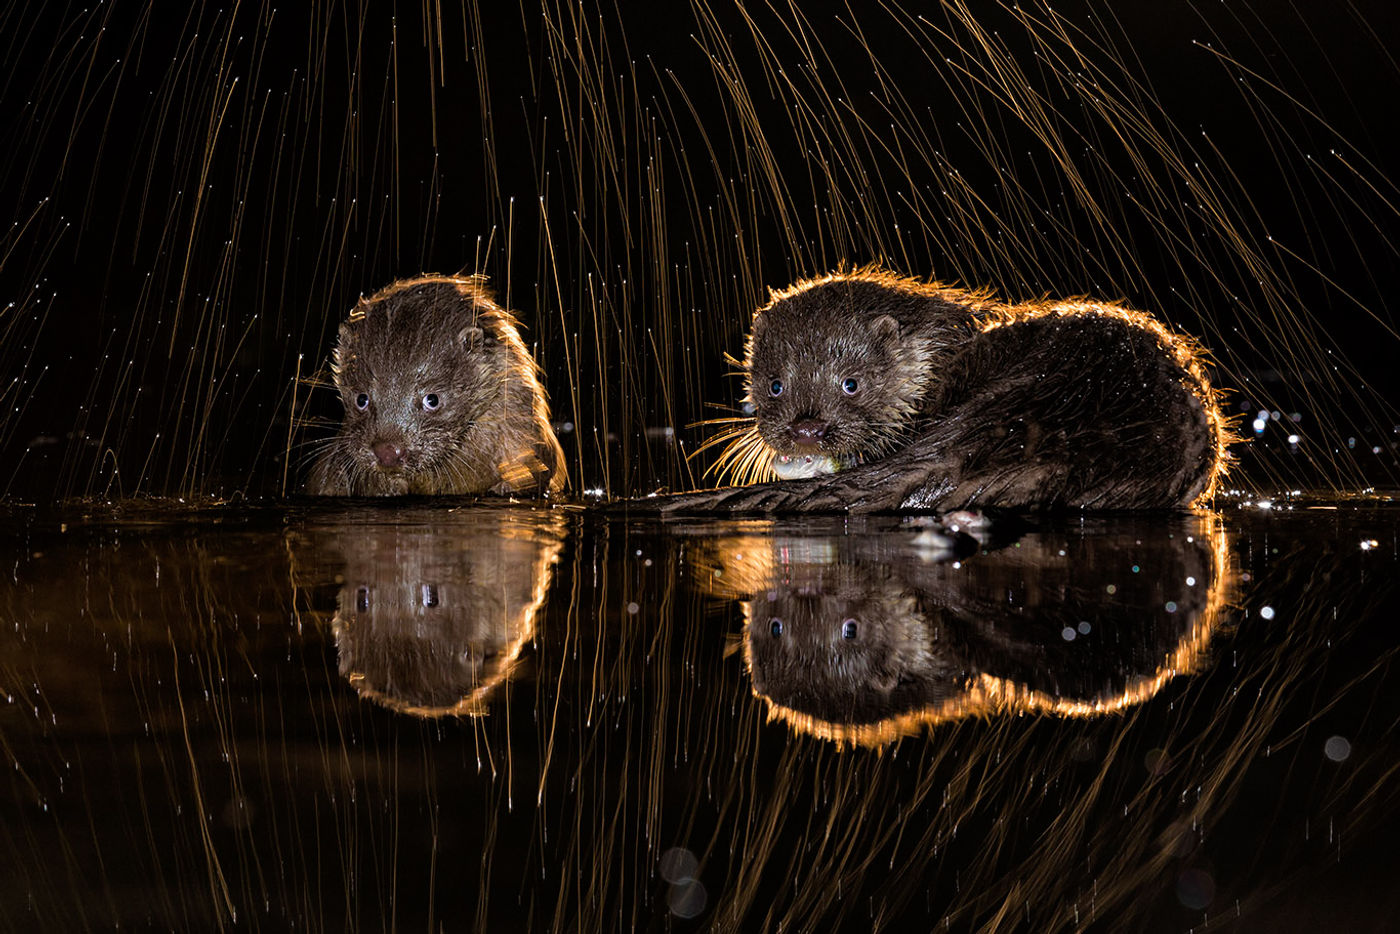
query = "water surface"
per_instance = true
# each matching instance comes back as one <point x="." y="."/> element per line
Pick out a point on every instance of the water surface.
<point x="457" y="717"/>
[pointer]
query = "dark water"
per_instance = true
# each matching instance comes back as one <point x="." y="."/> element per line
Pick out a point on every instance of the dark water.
<point x="495" y="718"/>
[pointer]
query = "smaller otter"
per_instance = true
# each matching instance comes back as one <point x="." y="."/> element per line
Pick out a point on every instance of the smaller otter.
<point x="875" y="392"/>
<point x="440" y="397"/>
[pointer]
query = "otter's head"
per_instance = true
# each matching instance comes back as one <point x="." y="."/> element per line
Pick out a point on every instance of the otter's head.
<point x="847" y="644"/>
<point x="418" y="366"/>
<point x="832" y="379"/>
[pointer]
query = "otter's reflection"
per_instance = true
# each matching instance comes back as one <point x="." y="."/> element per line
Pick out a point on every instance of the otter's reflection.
<point x="434" y="608"/>
<point x="867" y="636"/>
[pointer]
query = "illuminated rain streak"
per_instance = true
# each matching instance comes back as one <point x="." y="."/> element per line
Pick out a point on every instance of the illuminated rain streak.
<point x="237" y="177"/>
<point x="654" y="777"/>
<point x="261" y="167"/>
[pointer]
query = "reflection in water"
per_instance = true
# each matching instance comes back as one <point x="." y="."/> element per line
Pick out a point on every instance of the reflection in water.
<point x="431" y="615"/>
<point x="868" y="638"/>
<point x="1173" y="812"/>
<point x="179" y="749"/>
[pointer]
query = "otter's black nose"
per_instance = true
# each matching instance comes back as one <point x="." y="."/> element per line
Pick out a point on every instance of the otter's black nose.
<point x="388" y="454"/>
<point x="808" y="430"/>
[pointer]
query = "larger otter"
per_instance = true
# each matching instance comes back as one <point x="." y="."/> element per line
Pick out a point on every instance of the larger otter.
<point x="876" y="392"/>
<point x="440" y="397"/>
<point x="853" y="631"/>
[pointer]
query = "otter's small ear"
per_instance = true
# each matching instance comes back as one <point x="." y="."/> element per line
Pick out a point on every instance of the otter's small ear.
<point x="471" y="337"/>
<point x="885" y="326"/>
<point x="344" y="350"/>
<point x="885" y="682"/>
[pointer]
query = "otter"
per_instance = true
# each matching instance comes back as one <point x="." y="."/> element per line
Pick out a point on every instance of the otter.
<point x="435" y="608"/>
<point x="852" y="632"/>
<point x="876" y="392"/>
<point x="440" y="397"/>
<point x="848" y="642"/>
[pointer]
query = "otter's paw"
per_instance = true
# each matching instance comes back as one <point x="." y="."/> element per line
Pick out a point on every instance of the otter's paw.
<point x="700" y="502"/>
<point x="843" y="494"/>
<point x="763" y="497"/>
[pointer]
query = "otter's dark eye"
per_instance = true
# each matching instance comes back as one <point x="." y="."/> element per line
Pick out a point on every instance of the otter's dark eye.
<point x="775" y="626"/>
<point x="362" y="600"/>
<point x="430" y="596"/>
<point x="775" y="388"/>
<point x="431" y="402"/>
<point x="848" y="629"/>
<point x="849" y="386"/>
<point x="362" y="401"/>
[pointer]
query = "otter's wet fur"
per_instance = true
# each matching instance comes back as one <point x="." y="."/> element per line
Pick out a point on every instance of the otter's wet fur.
<point x="901" y="394"/>
<point x="440" y="397"/>
<point x="848" y="644"/>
